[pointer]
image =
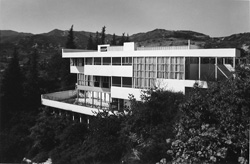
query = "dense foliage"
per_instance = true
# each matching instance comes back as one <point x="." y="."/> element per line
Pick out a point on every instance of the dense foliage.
<point x="135" y="134"/>
<point x="15" y="118"/>
<point x="214" y="127"/>
<point x="149" y="122"/>
<point x="71" y="39"/>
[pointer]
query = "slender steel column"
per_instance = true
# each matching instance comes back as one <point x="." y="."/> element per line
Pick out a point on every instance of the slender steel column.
<point x="199" y="68"/>
<point x="216" y="74"/>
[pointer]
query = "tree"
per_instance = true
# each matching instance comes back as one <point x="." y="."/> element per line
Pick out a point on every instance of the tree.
<point x="15" y="120"/>
<point x="149" y="121"/>
<point x="103" y="35"/>
<point x="122" y="40"/>
<point x="58" y="137"/>
<point x="214" y="127"/>
<point x="113" y="42"/>
<point x="32" y="88"/>
<point x="127" y="38"/>
<point x="97" y="40"/>
<point x="12" y="89"/>
<point x="103" y="142"/>
<point x="90" y="45"/>
<point x="68" y="79"/>
<point x="71" y="40"/>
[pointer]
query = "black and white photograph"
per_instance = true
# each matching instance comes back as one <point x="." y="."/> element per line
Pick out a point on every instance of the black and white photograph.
<point x="124" y="81"/>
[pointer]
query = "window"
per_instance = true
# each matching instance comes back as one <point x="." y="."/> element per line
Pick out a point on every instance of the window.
<point x="106" y="61"/>
<point x="191" y="68"/>
<point x="106" y="82"/>
<point x="144" y="72"/>
<point x="80" y="62"/>
<point x="73" y="62"/>
<point x="88" y="80"/>
<point x="104" y="49"/>
<point x="116" y="61"/>
<point x="127" y="61"/>
<point x="96" y="80"/>
<point x="80" y="79"/>
<point x="97" y="61"/>
<point x="127" y="82"/>
<point x="116" y="81"/>
<point x="88" y="61"/>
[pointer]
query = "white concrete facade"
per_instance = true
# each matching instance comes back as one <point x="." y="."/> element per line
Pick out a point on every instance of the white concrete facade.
<point x="108" y="70"/>
<point x="107" y="76"/>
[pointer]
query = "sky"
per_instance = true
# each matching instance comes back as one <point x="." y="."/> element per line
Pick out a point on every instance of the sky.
<point x="215" y="18"/>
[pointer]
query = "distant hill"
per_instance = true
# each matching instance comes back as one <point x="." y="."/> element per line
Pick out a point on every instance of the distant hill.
<point x="241" y="40"/>
<point x="53" y="41"/>
<point x="161" y="37"/>
<point x="12" y="36"/>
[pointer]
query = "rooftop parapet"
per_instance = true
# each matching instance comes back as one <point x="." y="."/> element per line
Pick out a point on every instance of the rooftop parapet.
<point x="130" y="46"/>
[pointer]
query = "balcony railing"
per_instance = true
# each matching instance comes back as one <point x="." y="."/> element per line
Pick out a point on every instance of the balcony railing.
<point x="115" y="48"/>
<point x="70" y="97"/>
<point x="60" y="96"/>
<point x="77" y="50"/>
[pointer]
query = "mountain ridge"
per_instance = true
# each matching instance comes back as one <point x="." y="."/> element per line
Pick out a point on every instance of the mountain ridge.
<point x="49" y="43"/>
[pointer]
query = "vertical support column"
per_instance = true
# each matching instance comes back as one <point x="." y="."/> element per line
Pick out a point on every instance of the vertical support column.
<point x="88" y="122"/>
<point x="199" y="68"/>
<point x="133" y="75"/>
<point x="101" y="100"/>
<point x="110" y="100"/>
<point x="234" y="63"/>
<point x="73" y="116"/>
<point x="85" y="97"/>
<point x="169" y="68"/>
<point x="100" y="85"/>
<point x="92" y="98"/>
<point x="92" y="80"/>
<point x="118" y="104"/>
<point x="144" y="71"/>
<point x="216" y="73"/>
<point x="184" y="68"/>
<point x="80" y="119"/>
<point x="156" y="67"/>
<point x="111" y="80"/>
<point x="77" y="94"/>
<point x="121" y="82"/>
<point x="164" y="67"/>
<point x="223" y="61"/>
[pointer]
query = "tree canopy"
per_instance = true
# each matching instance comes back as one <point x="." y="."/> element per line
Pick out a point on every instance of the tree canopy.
<point x="90" y="45"/>
<point x="214" y="127"/>
<point x="113" y="41"/>
<point x="12" y="89"/>
<point x="103" y="35"/>
<point x="68" y="79"/>
<point x="71" y="39"/>
<point x="32" y="88"/>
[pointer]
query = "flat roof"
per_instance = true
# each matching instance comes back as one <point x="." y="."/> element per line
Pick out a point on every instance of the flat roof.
<point x="222" y="52"/>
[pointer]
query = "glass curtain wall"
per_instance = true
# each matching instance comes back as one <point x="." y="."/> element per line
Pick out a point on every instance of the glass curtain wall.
<point x="147" y="69"/>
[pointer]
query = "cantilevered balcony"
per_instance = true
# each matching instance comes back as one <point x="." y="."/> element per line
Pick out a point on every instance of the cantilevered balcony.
<point x="67" y="100"/>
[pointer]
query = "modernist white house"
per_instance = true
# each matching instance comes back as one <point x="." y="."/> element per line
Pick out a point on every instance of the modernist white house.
<point x="107" y="76"/>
